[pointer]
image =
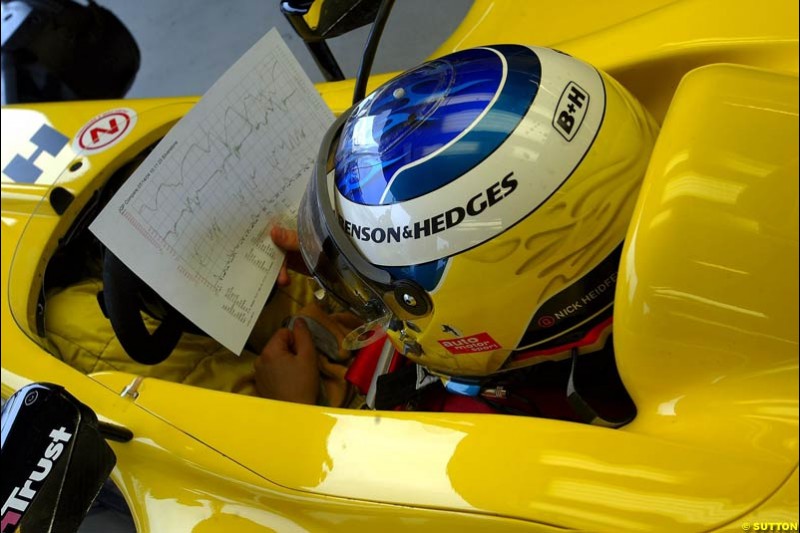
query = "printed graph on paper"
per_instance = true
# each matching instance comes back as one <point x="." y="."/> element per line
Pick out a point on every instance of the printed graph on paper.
<point x="193" y="220"/>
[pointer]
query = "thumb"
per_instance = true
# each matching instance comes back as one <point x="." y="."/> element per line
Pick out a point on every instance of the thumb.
<point x="303" y="342"/>
<point x="278" y="344"/>
<point x="285" y="239"/>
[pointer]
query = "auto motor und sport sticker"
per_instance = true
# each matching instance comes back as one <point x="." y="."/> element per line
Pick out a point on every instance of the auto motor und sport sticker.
<point x="480" y="342"/>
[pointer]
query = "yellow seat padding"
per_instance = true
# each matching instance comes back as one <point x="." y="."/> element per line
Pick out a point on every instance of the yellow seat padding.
<point x="82" y="336"/>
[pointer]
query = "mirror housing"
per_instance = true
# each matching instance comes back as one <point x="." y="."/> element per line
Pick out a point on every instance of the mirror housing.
<point x="55" y="459"/>
<point x="332" y="19"/>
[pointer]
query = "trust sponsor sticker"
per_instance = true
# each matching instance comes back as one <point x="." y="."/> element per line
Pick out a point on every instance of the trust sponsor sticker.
<point x="16" y="505"/>
<point x="480" y="342"/>
<point x="104" y="131"/>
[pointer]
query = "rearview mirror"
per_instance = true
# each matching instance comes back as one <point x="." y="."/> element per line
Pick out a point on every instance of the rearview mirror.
<point x="317" y="20"/>
<point x="326" y="19"/>
<point x="55" y="459"/>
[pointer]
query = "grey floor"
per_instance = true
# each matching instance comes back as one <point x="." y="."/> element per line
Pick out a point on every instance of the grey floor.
<point x="187" y="45"/>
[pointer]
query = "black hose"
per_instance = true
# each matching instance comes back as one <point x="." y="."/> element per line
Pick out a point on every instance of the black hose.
<point x="369" y="50"/>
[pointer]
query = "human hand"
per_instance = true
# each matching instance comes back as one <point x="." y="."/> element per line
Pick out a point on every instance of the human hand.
<point x="287" y="368"/>
<point x="335" y="389"/>
<point x="339" y="324"/>
<point x="286" y="239"/>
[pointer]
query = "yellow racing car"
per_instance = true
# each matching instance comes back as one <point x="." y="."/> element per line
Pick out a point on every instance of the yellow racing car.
<point x="705" y="324"/>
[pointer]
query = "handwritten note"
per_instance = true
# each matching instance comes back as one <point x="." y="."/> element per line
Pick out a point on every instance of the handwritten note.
<point x="193" y="220"/>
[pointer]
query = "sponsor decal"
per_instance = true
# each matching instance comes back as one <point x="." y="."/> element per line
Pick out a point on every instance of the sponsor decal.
<point x="47" y="140"/>
<point x="17" y="503"/>
<point x="466" y="212"/>
<point x="450" y="218"/>
<point x="480" y="342"/>
<point x="571" y="110"/>
<point x="104" y="131"/>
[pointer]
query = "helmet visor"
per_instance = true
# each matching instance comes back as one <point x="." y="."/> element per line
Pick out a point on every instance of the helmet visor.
<point x="332" y="259"/>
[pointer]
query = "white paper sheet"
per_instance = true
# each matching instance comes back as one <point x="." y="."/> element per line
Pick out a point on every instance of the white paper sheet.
<point x="193" y="220"/>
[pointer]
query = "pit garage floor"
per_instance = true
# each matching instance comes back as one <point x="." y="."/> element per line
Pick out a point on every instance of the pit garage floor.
<point x="186" y="45"/>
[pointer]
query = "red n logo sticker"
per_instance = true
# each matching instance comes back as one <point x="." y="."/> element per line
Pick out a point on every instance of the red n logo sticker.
<point x="104" y="131"/>
<point x="96" y="131"/>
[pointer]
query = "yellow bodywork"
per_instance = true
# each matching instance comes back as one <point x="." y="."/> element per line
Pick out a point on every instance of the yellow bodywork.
<point x="706" y="322"/>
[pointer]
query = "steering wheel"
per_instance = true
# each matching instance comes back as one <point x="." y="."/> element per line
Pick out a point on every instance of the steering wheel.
<point x="125" y="297"/>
